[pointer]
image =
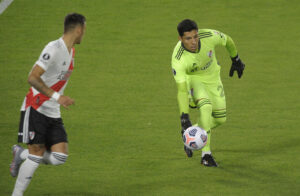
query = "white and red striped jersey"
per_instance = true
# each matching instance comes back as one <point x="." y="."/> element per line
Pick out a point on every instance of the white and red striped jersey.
<point x="58" y="64"/>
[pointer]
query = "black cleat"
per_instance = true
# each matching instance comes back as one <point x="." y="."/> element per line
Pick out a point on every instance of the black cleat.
<point x="208" y="161"/>
<point x="188" y="152"/>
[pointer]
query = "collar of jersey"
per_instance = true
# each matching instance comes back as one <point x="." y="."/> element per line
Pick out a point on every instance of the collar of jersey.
<point x="64" y="44"/>
<point x="199" y="47"/>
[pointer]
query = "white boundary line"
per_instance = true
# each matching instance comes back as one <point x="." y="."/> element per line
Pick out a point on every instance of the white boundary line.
<point x="4" y="4"/>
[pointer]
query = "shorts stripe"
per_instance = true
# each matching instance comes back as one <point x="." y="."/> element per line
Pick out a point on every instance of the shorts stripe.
<point x="26" y="126"/>
<point x="219" y="114"/>
<point x="203" y="102"/>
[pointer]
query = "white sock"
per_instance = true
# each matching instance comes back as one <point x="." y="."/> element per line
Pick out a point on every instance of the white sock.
<point x="54" y="158"/>
<point x="26" y="171"/>
<point x="24" y="154"/>
<point x="204" y="153"/>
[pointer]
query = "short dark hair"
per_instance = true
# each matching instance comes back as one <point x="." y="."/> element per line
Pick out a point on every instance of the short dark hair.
<point x="186" y="25"/>
<point x="72" y="20"/>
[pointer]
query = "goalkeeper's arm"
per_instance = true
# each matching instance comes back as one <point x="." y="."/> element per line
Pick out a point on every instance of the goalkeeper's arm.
<point x="237" y="64"/>
<point x="183" y="103"/>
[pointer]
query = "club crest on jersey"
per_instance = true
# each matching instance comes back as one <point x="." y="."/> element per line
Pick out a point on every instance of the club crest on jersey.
<point x="209" y="54"/>
<point x="31" y="135"/>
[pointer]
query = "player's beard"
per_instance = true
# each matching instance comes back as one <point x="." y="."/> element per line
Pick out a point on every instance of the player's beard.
<point x="78" y="40"/>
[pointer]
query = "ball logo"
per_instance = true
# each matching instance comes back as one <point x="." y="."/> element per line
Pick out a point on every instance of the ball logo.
<point x="187" y="139"/>
<point x="193" y="132"/>
<point x="203" y="138"/>
<point x="193" y="145"/>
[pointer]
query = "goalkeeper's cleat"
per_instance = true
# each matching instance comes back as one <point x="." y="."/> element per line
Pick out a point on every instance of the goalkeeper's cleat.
<point x="208" y="160"/>
<point x="16" y="162"/>
<point x="188" y="152"/>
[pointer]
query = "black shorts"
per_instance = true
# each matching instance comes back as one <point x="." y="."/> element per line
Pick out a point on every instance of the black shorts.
<point x="36" y="128"/>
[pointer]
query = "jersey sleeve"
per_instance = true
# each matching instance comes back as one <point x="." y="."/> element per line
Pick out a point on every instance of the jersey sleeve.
<point x="179" y="71"/>
<point x="47" y="57"/>
<point x="218" y="38"/>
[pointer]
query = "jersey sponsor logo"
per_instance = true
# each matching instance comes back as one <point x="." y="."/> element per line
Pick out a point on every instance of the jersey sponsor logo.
<point x="194" y="67"/>
<point x="209" y="54"/>
<point x="174" y="72"/>
<point x="64" y="75"/>
<point x="46" y="56"/>
<point x="207" y="65"/>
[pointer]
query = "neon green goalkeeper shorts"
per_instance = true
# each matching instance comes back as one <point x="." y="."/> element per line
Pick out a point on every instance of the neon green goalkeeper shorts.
<point x="202" y="92"/>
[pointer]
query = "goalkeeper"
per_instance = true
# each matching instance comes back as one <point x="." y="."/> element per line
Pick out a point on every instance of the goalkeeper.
<point x="197" y="75"/>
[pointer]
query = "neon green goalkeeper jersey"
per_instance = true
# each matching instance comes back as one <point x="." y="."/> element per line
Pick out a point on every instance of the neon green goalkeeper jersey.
<point x="202" y="63"/>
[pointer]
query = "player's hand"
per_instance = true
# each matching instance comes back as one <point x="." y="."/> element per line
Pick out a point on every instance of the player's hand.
<point x="185" y="122"/>
<point x="65" y="101"/>
<point x="237" y="65"/>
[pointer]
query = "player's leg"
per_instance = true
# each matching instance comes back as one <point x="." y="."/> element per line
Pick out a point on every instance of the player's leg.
<point x="19" y="153"/>
<point x="217" y="95"/>
<point x="58" y="154"/>
<point x="203" y="103"/>
<point x="58" y="143"/>
<point x="28" y="167"/>
<point x="34" y="132"/>
<point x="202" y="100"/>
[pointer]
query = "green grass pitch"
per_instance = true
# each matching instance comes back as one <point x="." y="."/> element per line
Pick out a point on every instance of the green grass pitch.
<point x="124" y="129"/>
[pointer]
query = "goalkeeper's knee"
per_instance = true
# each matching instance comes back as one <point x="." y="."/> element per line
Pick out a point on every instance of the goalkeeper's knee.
<point x="205" y="106"/>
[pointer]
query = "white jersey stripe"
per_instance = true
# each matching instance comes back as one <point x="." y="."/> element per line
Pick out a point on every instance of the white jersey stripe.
<point x="26" y="126"/>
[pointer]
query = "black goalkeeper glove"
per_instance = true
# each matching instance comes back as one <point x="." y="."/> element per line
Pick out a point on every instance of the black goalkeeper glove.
<point x="237" y="65"/>
<point x="185" y="122"/>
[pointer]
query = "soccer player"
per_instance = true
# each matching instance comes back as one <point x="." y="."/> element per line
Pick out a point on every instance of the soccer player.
<point x="41" y="126"/>
<point x="197" y="75"/>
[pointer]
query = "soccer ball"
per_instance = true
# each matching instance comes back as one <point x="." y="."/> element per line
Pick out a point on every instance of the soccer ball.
<point x="194" y="138"/>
